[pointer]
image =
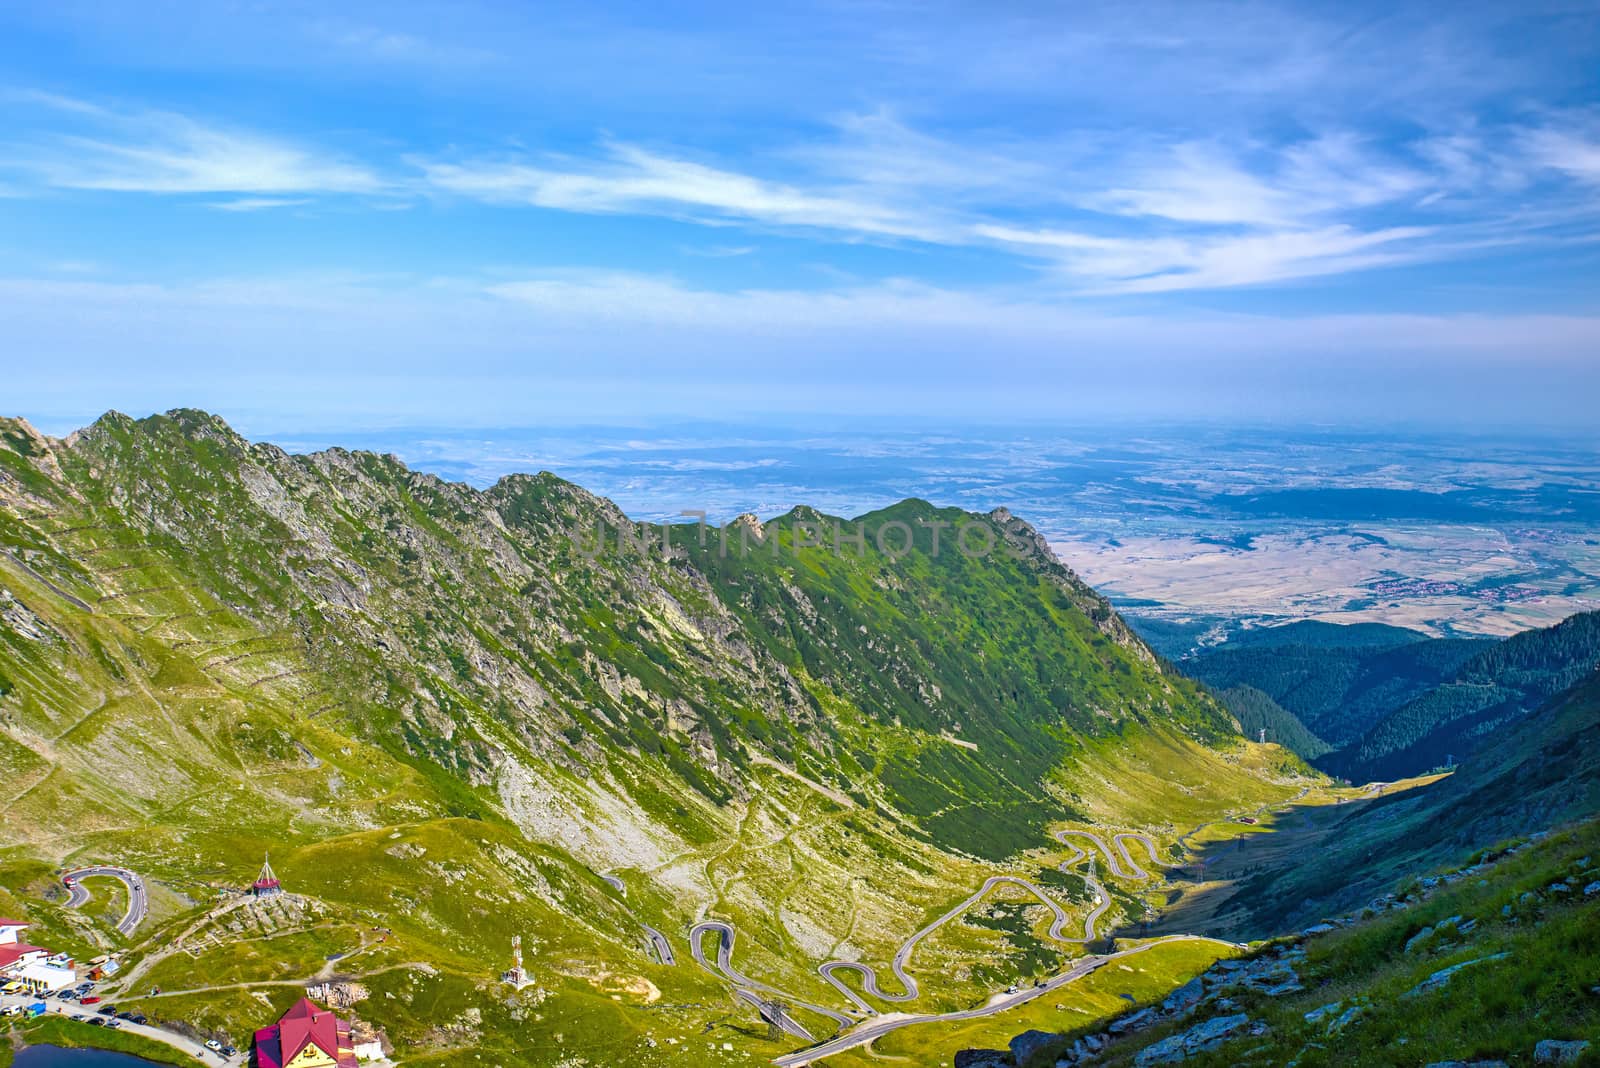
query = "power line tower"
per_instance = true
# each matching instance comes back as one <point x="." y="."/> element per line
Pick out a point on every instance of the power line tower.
<point x="773" y="1011"/>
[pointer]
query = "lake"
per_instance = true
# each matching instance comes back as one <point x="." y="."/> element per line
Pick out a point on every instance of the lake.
<point x="57" y="1057"/>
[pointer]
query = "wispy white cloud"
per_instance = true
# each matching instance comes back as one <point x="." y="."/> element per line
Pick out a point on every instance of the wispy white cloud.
<point x="166" y="153"/>
<point x="717" y="252"/>
<point x="1572" y="149"/>
<point x="1099" y="215"/>
<point x="1140" y="265"/>
<point x="257" y="203"/>
<point x="632" y="179"/>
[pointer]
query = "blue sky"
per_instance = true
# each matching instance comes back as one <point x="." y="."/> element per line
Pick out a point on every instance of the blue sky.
<point x="312" y="215"/>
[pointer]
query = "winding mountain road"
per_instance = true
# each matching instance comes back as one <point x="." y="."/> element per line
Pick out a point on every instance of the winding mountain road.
<point x="872" y="1030"/>
<point x="662" y="946"/>
<point x="1114" y="861"/>
<point x="138" y="904"/>
<point x="1102" y="902"/>
<point x="724" y="968"/>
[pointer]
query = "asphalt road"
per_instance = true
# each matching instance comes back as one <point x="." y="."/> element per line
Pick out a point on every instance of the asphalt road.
<point x="663" y="947"/>
<point x="1115" y="861"/>
<point x="1119" y="862"/>
<point x="138" y="903"/>
<point x="183" y="1043"/>
<point x="1102" y="902"/>
<point x="875" y="1029"/>
<point x="723" y="966"/>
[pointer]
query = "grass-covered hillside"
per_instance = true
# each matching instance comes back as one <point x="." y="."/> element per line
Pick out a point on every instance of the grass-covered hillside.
<point x="1541" y="772"/>
<point x="1493" y="962"/>
<point x="448" y="712"/>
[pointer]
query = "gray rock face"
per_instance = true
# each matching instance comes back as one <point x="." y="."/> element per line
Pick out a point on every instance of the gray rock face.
<point x="1028" y="1043"/>
<point x="1167" y="1051"/>
<point x="1185" y="998"/>
<point x="1205" y="1035"/>
<point x="1555" y="1051"/>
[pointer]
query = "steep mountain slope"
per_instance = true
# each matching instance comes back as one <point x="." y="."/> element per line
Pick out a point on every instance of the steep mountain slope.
<point x="1488" y="693"/>
<point x="1256" y="711"/>
<point x="1491" y="962"/>
<point x="1542" y="771"/>
<point x="1338" y="691"/>
<point x="445" y="710"/>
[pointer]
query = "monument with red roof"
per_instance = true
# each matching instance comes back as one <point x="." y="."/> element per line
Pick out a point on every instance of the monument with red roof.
<point x="306" y="1037"/>
<point x="266" y="883"/>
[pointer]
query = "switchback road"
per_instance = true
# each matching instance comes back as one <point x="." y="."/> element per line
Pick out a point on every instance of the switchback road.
<point x="745" y="985"/>
<point x="875" y="1029"/>
<point x="138" y="904"/>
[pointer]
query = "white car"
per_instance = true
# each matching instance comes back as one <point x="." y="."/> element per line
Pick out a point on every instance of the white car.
<point x="213" y="1045"/>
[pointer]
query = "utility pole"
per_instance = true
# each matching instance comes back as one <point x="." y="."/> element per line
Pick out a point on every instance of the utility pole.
<point x="774" y="1011"/>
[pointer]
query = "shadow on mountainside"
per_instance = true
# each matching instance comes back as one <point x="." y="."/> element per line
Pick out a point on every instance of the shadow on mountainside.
<point x="1317" y="860"/>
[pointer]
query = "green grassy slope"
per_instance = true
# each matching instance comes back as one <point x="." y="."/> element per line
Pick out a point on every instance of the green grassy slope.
<point x="444" y="716"/>
<point x="1522" y="926"/>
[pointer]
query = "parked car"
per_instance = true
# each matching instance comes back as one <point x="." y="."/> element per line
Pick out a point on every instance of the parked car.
<point x="90" y="1000"/>
<point x="113" y="1023"/>
<point x="138" y="1018"/>
<point x="107" y="1010"/>
<point x="228" y="1051"/>
<point x="95" y="1021"/>
<point x="213" y="1045"/>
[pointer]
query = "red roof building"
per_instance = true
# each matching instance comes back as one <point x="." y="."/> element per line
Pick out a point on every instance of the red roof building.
<point x="306" y="1037"/>
<point x="17" y="954"/>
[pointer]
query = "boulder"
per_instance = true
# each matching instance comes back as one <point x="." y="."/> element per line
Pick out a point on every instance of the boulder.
<point x="1141" y="1019"/>
<point x="1555" y="1051"/>
<point x="1418" y="938"/>
<point x="1167" y="1051"/>
<point x="1346" y="1018"/>
<point x="1318" y="1015"/>
<point x="1592" y="889"/>
<point x="983" y="1058"/>
<point x="1025" y="1045"/>
<point x="1213" y="1032"/>
<point x="1443" y="976"/>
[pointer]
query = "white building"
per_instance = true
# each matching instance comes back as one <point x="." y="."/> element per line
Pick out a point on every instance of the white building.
<point x="48" y="976"/>
<point x="369" y="1050"/>
<point x="11" y="931"/>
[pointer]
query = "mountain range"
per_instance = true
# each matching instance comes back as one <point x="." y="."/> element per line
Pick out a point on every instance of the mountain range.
<point x="693" y="767"/>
